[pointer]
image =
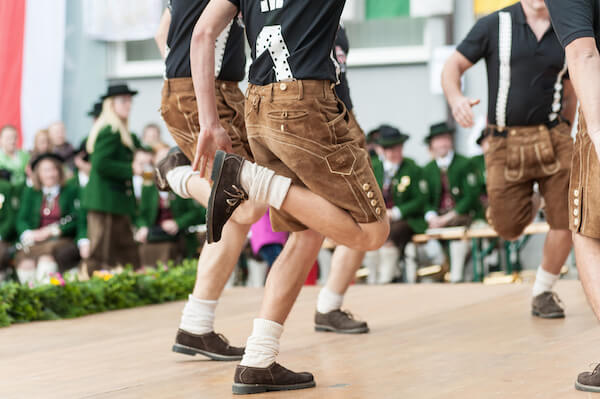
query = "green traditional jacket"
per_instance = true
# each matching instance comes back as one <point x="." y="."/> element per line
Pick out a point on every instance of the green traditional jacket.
<point x="110" y="188"/>
<point x="410" y="191"/>
<point x="186" y="213"/>
<point x="81" y="219"/>
<point x="29" y="214"/>
<point x="8" y="210"/>
<point x="479" y="162"/>
<point x="377" y="168"/>
<point x="465" y="186"/>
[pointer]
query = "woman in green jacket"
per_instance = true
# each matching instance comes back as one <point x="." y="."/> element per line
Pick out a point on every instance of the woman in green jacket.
<point x="108" y="196"/>
<point x="46" y="222"/>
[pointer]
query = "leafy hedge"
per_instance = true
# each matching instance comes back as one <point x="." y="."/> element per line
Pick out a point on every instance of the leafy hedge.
<point x="58" y="300"/>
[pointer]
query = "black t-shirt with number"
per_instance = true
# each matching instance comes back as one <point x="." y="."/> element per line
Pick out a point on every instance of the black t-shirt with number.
<point x="230" y="57"/>
<point x="574" y="19"/>
<point x="291" y="39"/>
<point x="341" y="52"/>
<point x="535" y="67"/>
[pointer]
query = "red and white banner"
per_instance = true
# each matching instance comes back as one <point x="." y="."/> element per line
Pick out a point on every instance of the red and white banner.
<point x="32" y="44"/>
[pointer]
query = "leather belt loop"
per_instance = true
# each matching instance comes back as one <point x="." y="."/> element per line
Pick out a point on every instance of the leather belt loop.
<point x="300" y="90"/>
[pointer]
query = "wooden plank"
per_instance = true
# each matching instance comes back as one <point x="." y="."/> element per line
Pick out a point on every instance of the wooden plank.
<point x="427" y="341"/>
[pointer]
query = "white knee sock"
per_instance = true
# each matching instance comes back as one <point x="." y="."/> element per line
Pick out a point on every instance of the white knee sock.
<point x="262" y="346"/>
<point x="544" y="281"/>
<point x="26" y="276"/>
<point x="388" y="265"/>
<point x="329" y="301"/>
<point x="371" y="262"/>
<point x="44" y="269"/>
<point x="198" y="316"/>
<point x="263" y="185"/>
<point x="178" y="178"/>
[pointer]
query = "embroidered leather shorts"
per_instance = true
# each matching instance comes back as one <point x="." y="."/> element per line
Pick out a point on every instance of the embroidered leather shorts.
<point x="514" y="163"/>
<point x="180" y="113"/>
<point x="302" y="130"/>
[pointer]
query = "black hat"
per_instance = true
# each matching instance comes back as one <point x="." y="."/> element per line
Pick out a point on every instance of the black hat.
<point x="118" y="90"/>
<point x="5" y="174"/>
<point x="482" y="136"/>
<point x="373" y="136"/>
<point x="96" y="110"/>
<point x="390" y="136"/>
<point x="46" y="155"/>
<point x="83" y="150"/>
<point x="438" y="129"/>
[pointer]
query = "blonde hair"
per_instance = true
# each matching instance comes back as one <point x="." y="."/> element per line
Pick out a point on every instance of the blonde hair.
<point x="38" y="134"/>
<point x="110" y="118"/>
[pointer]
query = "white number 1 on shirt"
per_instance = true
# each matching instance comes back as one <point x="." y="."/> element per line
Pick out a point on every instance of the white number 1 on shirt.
<point x="271" y="39"/>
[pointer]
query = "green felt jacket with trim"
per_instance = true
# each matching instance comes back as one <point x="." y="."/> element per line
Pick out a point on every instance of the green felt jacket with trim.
<point x="29" y="215"/>
<point x="8" y="211"/>
<point x="465" y="186"/>
<point x="409" y="192"/>
<point x="186" y="213"/>
<point x="110" y="188"/>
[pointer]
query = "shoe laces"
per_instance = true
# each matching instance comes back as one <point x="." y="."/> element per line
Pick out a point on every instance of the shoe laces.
<point x="236" y="196"/>
<point x="348" y="314"/>
<point x="223" y="338"/>
<point x="596" y="367"/>
<point x="556" y="298"/>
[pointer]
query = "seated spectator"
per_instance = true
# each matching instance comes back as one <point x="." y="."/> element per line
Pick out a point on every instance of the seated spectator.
<point x="46" y="222"/>
<point x="454" y="189"/>
<point x="376" y="153"/>
<point x="11" y="158"/>
<point x="7" y="220"/>
<point x="162" y="221"/>
<point x="60" y="145"/>
<point x="143" y="170"/>
<point x="151" y="135"/>
<point x="41" y="143"/>
<point x="404" y="191"/>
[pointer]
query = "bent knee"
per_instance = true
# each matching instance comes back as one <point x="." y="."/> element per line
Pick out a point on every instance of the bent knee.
<point x="249" y="213"/>
<point x="374" y="236"/>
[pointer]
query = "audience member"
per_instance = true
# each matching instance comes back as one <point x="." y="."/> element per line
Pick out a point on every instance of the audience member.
<point x="143" y="170"/>
<point x="60" y="145"/>
<point x="151" y="135"/>
<point x="46" y="222"/>
<point x="7" y="220"/>
<point x="11" y="158"/>
<point x="108" y="196"/>
<point x="454" y="188"/>
<point x="163" y="220"/>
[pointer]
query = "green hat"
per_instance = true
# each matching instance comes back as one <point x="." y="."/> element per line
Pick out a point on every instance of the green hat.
<point x="437" y="130"/>
<point x="390" y="136"/>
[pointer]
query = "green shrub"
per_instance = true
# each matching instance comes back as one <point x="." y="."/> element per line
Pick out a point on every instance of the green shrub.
<point x="21" y="303"/>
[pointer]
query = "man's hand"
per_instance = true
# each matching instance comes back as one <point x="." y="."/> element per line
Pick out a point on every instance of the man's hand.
<point x="170" y="226"/>
<point x="436" y="222"/>
<point x="209" y="141"/>
<point x="462" y="112"/>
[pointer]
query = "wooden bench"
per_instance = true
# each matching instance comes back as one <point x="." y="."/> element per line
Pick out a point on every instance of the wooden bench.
<point x="477" y="234"/>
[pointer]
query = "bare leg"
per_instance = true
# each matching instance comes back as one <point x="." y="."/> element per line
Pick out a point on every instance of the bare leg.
<point x="288" y="274"/>
<point x="322" y="216"/>
<point x="587" y="251"/>
<point x="556" y="250"/>
<point x="344" y="264"/>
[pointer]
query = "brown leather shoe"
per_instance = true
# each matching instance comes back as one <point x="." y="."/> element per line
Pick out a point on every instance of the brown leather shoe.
<point x="589" y="381"/>
<point x="547" y="305"/>
<point x="273" y="378"/>
<point x="212" y="345"/>
<point x="174" y="158"/>
<point x="339" y="321"/>
<point x="226" y="194"/>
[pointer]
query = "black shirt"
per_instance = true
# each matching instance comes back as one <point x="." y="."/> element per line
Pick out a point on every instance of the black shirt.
<point x="534" y="68"/>
<point x="230" y="57"/>
<point x="341" y="52"/>
<point x="291" y="39"/>
<point x="574" y="19"/>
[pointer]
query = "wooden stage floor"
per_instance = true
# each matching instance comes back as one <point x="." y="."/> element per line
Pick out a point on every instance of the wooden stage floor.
<point x="426" y="341"/>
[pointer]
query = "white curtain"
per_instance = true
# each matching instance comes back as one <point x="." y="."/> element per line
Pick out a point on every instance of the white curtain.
<point x="43" y="55"/>
<point x="122" y="20"/>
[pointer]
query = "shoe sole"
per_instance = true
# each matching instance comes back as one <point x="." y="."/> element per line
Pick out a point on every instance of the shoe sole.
<point x="586" y="388"/>
<point x="161" y="181"/>
<point x="245" y="389"/>
<point x="216" y="178"/>
<point x="322" y="328"/>
<point x="188" y="350"/>
<point x="548" y="316"/>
